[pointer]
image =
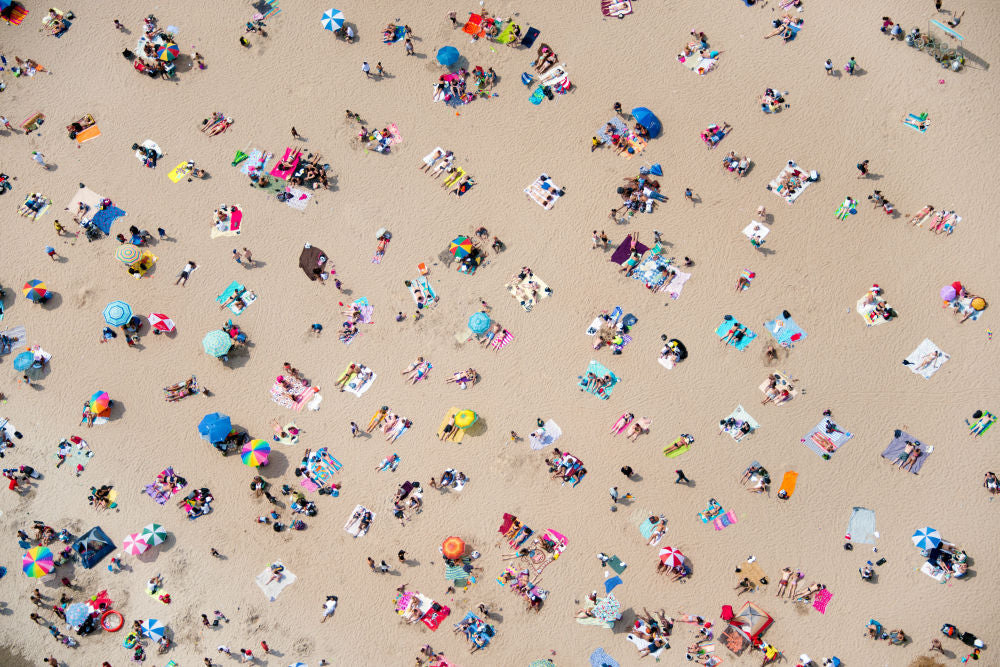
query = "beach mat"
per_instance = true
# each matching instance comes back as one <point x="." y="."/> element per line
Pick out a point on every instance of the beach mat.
<point x="823" y="443"/>
<point x="676" y="284"/>
<point x="785" y="331"/>
<point x="925" y="348"/>
<point x="677" y="452"/>
<point x="724" y="328"/>
<point x="861" y="526"/>
<point x="599" y="658"/>
<point x="91" y="132"/>
<point x="788" y="482"/>
<point x="353" y="527"/>
<point x="550" y="433"/>
<point x="754" y="572"/>
<point x="741" y="415"/>
<point x="600" y="370"/>
<point x="457" y="437"/>
<point x="273" y="590"/>
<point x="898" y="444"/>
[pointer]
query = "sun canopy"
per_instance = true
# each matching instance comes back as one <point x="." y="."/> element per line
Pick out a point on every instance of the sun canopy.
<point x="752" y="620"/>
<point x="92" y="546"/>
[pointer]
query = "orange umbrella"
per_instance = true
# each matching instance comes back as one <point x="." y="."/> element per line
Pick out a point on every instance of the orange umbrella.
<point x="453" y="547"/>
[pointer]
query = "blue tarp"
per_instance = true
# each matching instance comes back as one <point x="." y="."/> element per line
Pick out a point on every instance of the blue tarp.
<point x="103" y="218"/>
<point x="92" y="546"/>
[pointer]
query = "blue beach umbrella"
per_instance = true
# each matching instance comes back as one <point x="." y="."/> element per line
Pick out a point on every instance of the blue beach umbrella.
<point x="926" y="538"/>
<point x="215" y="427"/>
<point x="77" y="613"/>
<point x="447" y="55"/>
<point x="153" y="629"/>
<point x="23" y="361"/>
<point x="117" y="313"/>
<point x="648" y="120"/>
<point x="332" y="19"/>
<point x="479" y="323"/>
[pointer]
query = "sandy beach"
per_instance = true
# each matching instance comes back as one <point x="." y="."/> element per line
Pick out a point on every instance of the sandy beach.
<point x="809" y="275"/>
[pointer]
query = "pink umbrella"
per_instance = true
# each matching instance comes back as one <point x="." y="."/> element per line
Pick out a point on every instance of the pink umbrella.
<point x="671" y="557"/>
<point x="134" y="545"/>
<point x="161" y="322"/>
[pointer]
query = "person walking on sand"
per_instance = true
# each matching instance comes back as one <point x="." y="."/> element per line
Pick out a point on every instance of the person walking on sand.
<point x="380" y="69"/>
<point x="863" y="169"/>
<point x="689" y="195"/>
<point x="295" y="134"/>
<point x="681" y="478"/>
<point x="355" y="431"/>
<point x="828" y="66"/>
<point x="51" y="252"/>
<point x="409" y="46"/>
<point x="248" y="256"/>
<point x="367" y="69"/>
<point x="40" y="159"/>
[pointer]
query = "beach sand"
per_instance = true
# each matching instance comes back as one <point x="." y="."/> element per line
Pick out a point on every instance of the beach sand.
<point x="813" y="266"/>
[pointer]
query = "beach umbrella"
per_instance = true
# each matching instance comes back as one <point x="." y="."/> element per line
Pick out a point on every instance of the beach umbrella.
<point x="37" y="562"/>
<point x="978" y="303"/>
<point x="461" y="247"/>
<point x="465" y="418"/>
<point x="447" y="55"/>
<point x="128" y="253"/>
<point x="453" y="547"/>
<point x="161" y="322"/>
<point x="671" y="557"/>
<point x="77" y="613"/>
<point x="23" y="361"/>
<point x="153" y="534"/>
<point x="153" y="629"/>
<point x="608" y="609"/>
<point x="168" y="52"/>
<point x="255" y="453"/>
<point x="134" y="544"/>
<point x="215" y="427"/>
<point x="332" y="19"/>
<point x="948" y="293"/>
<point x="216" y="343"/>
<point x="117" y="313"/>
<point x="479" y="323"/>
<point x="99" y="402"/>
<point x="926" y="538"/>
<point x="648" y="120"/>
<point x="34" y="290"/>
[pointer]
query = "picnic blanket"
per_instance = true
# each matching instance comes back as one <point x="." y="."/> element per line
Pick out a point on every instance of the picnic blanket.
<point x="918" y="123"/>
<point x="982" y="424"/>
<point x="256" y="163"/>
<point x="646" y="528"/>
<point x="788" y="483"/>
<point x="783" y="383"/>
<point x="599" y="658"/>
<point x="456" y="434"/>
<point x="756" y="230"/>
<point x="161" y="492"/>
<point x="696" y="63"/>
<point x="676" y="284"/>
<point x="235" y="288"/>
<point x="522" y="291"/>
<point x="861" y="526"/>
<point x="353" y="526"/>
<point x="600" y="370"/>
<point x="299" y="199"/>
<point x="624" y="250"/>
<point x="800" y="181"/>
<point x="650" y="271"/>
<point x="355" y="385"/>
<point x="90" y="199"/>
<point x="867" y="311"/>
<point x="230" y="226"/>
<point x="824" y="443"/>
<point x="894" y="451"/>
<point x="785" y="331"/>
<point x="273" y="590"/>
<point x="545" y="436"/>
<point x="741" y="416"/>
<point x="18" y="337"/>
<point x="300" y="394"/>
<point x="544" y="192"/>
<point x="821" y="599"/>
<point x="754" y="572"/>
<point x="724" y="328"/>
<point x="925" y="348"/>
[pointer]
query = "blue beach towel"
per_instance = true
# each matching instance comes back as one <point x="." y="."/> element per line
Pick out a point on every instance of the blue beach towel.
<point x="723" y="329"/>
<point x="861" y="526"/>
<point x="599" y="658"/>
<point x="787" y="333"/>
<point x="600" y="370"/>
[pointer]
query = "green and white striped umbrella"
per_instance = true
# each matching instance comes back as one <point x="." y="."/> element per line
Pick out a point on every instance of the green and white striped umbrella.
<point x="153" y="534"/>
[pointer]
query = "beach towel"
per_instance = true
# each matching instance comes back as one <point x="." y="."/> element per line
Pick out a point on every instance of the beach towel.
<point x="236" y="289"/>
<point x="676" y="284"/>
<point x="914" y="121"/>
<point x="91" y="132"/>
<point x="756" y="230"/>
<point x="783" y="383"/>
<point x="616" y="564"/>
<point x="273" y="590"/>
<point x="544" y="192"/>
<point x="897" y="445"/>
<point x="934" y="572"/>
<point x="90" y="199"/>
<point x="34" y="215"/>
<point x="740" y="415"/>
<point x="300" y="394"/>
<point x="823" y="443"/>
<point x="299" y="199"/>
<point x="293" y="162"/>
<point x="103" y="218"/>
<point x="354" y="385"/>
<point x="983" y="424"/>
<point x="724" y="328"/>
<point x="353" y="527"/>
<point x="545" y="436"/>
<point x="696" y="63"/>
<point x="799" y="181"/>
<point x="395" y="36"/>
<point x="821" y="599"/>
<point x="18" y="336"/>
<point x="600" y="370"/>
<point x="916" y="358"/>
<point x="754" y="572"/>
<point x="642" y="644"/>
<point x="522" y="291"/>
<point x="964" y="307"/>
<point x="868" y="313"/>
<point x="178" y="173"/>
<point x="724" y="520"/>
<point x="624" y="250"/>
<point x="161" y="492"/>
<point x="620" y="128"/>
<point x="396" y="137"/>
<point x="785" y="331"/>
<point x="788" y="483"/>
<point x="650" y="271"/>
<point x="456" y="434"/>
<point x="14" y="14"/>
<point x="861" y="526"/>
<point x="141" y="154"/>
<point x="646" y="528"/>
<point x="676" y="452"/>
<point x="599" y="658"/>
<point x="256" y="163"/>
<point x="619" y="9"/>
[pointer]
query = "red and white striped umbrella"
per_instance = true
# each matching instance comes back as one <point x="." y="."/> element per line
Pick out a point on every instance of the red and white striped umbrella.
<point x="161" y="322"/>
<point x="671" y="557"/>
<point x="134" y="544"/>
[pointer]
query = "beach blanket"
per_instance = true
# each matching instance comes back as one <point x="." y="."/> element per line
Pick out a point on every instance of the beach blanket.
<point x="619" y="9"/>
<point x="783" y="383"/>
<point x="676" y="284"/>
<point x="456" y="434"/>
<point x="501" y="340"/>
<point x="14" y="14"/>
<point x="91" y="132"/>
<point x="923" y="350"/>
<point x="785" y="331"/>
<point x="522" y="291"/>
<point x="983" y="424"/>
<point x="696" y="63"/>
<point x="256" y="163"/>
<point x="600" y="370"/>
<point x="823" y="442"/>
<point x="741" y="416"/>
<point x="293" y="162"/>
<point x="273" y="590"/>
<point x="620" y="128"/>
<point x="861" y="526"/>
<point x="624" y="250"/>
<point x="299" y="199"/>
<point x="103" y="218"/>
<point x="821" y="599"/>
<point x="867" y="311"/>
<point x="356" y="387"/>
<point x="43" y="206"/>
<point x="646" y="528"/>
<point x="353" y="526"/>
<point x="754" y="572"/>
<point x="650" y="271"/>
<point x="599" y="658"/>
<point x="674" y="453"/>
<point x="236" y="289"/>
<point x="544" y="192"/>
<point x="231" y="226"/>
<point x="724" y="328"/>
<point x="918" y="123"/>
<point x="395" y="36"/>
<point x="161" y="492"/>
<point x="545" y="436"/>
<point x="894" y="451"/>
<point x="90" y="199"/>
<point x="934" y="572"/>
<point x="300" y="394"/>
<point x="797" y="184"/>
<point x="788" y="483"/>
<point x="18" y="336"/>
<point x="756" y="230"/>
<point x="964" y="307"/>
<point x="177" y="174"/>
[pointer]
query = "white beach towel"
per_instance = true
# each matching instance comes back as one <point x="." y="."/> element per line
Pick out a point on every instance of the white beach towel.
<point x="756" y="229"/>
<point x="545" y="436"/>
<point x="353" y="388"/>
<point x="273" y="590"/>
<point x="925" y="348"/>
<point x="676" y="284"/>
<point x="353" y="527"/>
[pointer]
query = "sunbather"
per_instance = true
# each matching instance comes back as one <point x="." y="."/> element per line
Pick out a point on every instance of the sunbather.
<point x="808" y="593"/>
<point x="732" y="332"/>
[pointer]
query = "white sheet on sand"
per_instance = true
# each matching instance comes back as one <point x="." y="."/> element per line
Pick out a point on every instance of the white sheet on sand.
<point x="273" y="590"/>
<point x="18" y="336"/>
<point x="756" y="229"/>
<point x="594" y="327"/>
<point x="353" y="526"/>
<point x="353" y="388"/>
<point x="925" y="348"/>
<point x="148" y="143"/>
<point x="676" y="284"/>
<point x="299" y="200"/>
<point x="429" y="159"/>
<point x="541" y="189"/>
<point x="545" y="436"/>
<point x="790" y="168"/>
<point x="641" y="645"/>
<point x="89" y="198"/>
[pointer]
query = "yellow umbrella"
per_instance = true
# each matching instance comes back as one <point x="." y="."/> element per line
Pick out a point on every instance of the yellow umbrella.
<point x="465" y="418"/>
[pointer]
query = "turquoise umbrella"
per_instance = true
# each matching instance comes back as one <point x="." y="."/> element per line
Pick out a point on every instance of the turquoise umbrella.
<point x="23" y="361"/>
<point x="117" y="313"/>
<point x="479" y="323"/>
<point x="216" y="343"/>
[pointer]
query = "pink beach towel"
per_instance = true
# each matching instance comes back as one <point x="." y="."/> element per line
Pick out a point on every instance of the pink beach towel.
<point x="277" y="173"/>
<point x="499" y="342"/>
<point x="725" y="520"/>
<point x="397" y="138"/>
<point x="308" y="484"/>
<point x="822" y="599"/>
<point x="303" y="398"/>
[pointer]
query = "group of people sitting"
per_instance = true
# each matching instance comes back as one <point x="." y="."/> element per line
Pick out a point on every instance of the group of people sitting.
<point x="881" y="306"/>
<point x="565" y="466"/>
<point x="758" y="478"/>
<point x="654" y="629"/>
<point x="638" y="194"/>
<point x="449" y="479"/>
<point x="948" y="558"/>
<point x="771" y="100"/>
<point x="772" y="394"/>
<point x="738" y="166"/>
<point x="197" y="503"/>
<point x="786" y="26"/>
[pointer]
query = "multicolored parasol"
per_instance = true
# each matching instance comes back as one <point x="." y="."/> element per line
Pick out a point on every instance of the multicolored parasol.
<point x="38" y="562"/>
<point x="255" y="453"/>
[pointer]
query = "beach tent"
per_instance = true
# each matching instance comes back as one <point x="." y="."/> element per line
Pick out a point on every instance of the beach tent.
<point x="92" y="546"/>
<point x="312" y="261"/>
<point x="752" y="620"/>
<point x="648" y="120"/>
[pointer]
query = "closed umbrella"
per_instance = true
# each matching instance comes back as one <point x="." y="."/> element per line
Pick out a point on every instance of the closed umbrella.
<point x="153" y="629"/>
<point x="648" y="120"/>
<point x="134" y="544"/>
<point x="453" y="547"/>
<point x="99" y="402"/>
<point x="168" y="52"/>
<point x="38" y="562"/>
<point x="671" y="557"/>
<point x="215" y="427"/>
<point x="153" y="534"/>
<point x="447" y="55"/>
<point x="255" y="453"/>
<point x="332" y="19"/>
<point x="34" y="290"/>
<point x="23" y="361"/>
<point x="128" y="253"/>
<point x="465" y="418"/>
<point x="77" y="613"/>
<point x="926" y="538"/>
<point x="479" y="323"/>
<point x="117" y="313"/>
<point x="161" y="322"/>
<point x="216" y="343"/>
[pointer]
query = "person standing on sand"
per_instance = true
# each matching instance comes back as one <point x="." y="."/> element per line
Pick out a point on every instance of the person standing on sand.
<point x="828" y="66"/>
<point x="329" y="607"/>
<point x="367" y="69"/>
<point x="863" y="169"/>
<point x="295" y="134"/>
<point x="40" y="159"/>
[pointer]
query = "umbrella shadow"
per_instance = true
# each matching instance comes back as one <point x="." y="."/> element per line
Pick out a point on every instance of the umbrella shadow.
<point x="277" y="465"/>
<point x="477" y="429"/>
<point x="53" y="300"/>
<point x="117" y="410"/>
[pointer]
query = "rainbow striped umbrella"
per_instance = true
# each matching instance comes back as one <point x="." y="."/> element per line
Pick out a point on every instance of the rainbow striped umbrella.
<point x="461" y="247"/>
<point x="38" y="562"/>
<point x="128" y="253"/>
<point x="168" y="52"/>
<point x="134" y="544"/>
<point x="255" y="453"/>
<point x="99" y="402"/>
<point x="34" y="290"/>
